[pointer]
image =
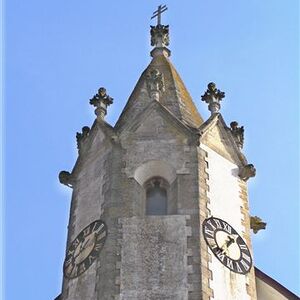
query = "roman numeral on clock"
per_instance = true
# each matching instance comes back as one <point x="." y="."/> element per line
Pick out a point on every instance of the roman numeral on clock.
<point x="243" y="247"/>
<point x="238" y="268"/>
<point x="208" y="232"/>
<point x="218" y="223"/>
<point x="245" y="265"/>
<point x="101" y="236"/>
<point x="227" y="227"/>
<point x="229" y="263"/>
<point x="98" y="227"/>
<point x="246" y="257"/>
<point x="220" y="255"/>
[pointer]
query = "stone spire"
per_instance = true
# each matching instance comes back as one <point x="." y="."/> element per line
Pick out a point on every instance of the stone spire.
<point x="160" y="34"/>
<point x="213" y="97"/>
<point x="161" y="82"/>
<point x="101" y="100"/>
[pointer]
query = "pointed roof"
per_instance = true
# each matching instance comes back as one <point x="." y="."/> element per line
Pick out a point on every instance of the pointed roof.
<point x="161" y="82"/>
<point x="175" y="97"/>
<point x="158" y="109"/>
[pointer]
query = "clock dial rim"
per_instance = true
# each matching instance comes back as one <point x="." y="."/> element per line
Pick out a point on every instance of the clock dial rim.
<point x="93" y="254"/>
<point x="215" y="249"/>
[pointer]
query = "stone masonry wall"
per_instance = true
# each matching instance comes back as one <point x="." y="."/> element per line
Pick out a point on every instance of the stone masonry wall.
<point x="91" y="184"/>
<point x="158" y="140"/>
<point x="226" y="203"/>
<point x="154" y="258"/>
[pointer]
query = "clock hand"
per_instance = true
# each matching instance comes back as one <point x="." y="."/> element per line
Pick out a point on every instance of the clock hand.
<point x="80" y="249"/>
<point x="229" y="241"/>
<point x="88" y="241"/>
<point x="83" y="245"/>
<point x="224" y="248"/>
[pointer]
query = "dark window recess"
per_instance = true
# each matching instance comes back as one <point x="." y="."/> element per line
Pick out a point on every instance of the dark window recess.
<point x="156" y="198"/>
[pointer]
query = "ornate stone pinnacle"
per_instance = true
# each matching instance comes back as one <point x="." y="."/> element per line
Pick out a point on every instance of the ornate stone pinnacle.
<point x="213" y="97"/>
<point x="101" y="100"/>
<point x="81" y="137"/>
<point x="238" y="133"/>
<point x="155" y="84"/>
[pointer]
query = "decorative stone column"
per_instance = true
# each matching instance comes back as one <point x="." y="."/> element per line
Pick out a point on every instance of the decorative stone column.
<point x="101" y="100"/>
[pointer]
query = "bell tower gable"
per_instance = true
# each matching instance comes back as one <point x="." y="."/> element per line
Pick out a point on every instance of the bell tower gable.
<point x="216" y="135"/>
<point x="92" y="143"/>
<point x="158" y="122"/>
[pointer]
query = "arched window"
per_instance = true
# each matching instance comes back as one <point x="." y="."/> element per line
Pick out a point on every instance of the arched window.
<point x="156" y="197"/>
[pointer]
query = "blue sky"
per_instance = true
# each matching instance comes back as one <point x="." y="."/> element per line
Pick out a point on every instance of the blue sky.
<point x="58" y="53"/>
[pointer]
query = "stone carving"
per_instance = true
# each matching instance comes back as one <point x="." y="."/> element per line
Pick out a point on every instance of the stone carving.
<point x="247" y="171"/>
<point x="155" y="83"/>
<point x="213" y="97"/>
<point x="160" y="35"/>
<point x="257" y="224"/>
<point x="238" y="133"/>
<point x="65" y="178"/>
<point x="101" y="100"/>
<point x="81" y="137"/>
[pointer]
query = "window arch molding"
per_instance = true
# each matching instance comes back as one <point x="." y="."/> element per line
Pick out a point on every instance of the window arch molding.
<point x="152" y="169"/>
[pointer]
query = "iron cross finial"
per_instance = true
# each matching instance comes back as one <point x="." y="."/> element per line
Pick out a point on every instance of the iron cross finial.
<point x="158" y="12"/>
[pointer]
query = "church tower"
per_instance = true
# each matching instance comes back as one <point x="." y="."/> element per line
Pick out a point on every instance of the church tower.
<point x="159" y="206"/>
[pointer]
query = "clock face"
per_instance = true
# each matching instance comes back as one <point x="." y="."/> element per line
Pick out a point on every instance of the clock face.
<point x="85" y="249"/>
<point x="227" y="245"/>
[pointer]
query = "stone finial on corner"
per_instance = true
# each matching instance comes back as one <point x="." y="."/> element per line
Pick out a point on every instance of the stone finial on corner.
<point x="155" y="84"/>
<point x="238" y="133"/>
<point x="81" y="137"/>
<point x="66" y="178"/>
<point x="101" y="100"/>
<point x="257" y="224"/>
<point x="213" y="97"/>
<point x="247" y="171"/>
